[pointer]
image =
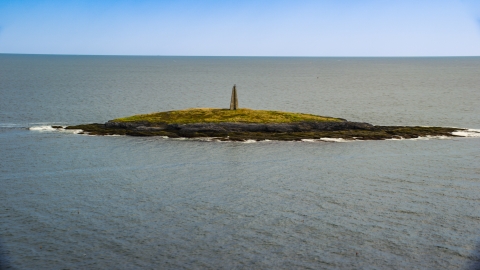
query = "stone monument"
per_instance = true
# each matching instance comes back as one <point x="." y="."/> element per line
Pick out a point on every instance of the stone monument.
<point x="234" y="100"/>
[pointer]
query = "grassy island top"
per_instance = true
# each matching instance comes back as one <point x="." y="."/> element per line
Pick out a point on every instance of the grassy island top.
<point x="210" y="115"/>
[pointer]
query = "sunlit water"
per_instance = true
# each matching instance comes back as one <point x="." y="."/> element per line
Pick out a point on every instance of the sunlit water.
<point x="76" y="201"/>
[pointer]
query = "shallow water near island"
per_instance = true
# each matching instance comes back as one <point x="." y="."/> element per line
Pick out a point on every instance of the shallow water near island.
<point x="77" y="201"/>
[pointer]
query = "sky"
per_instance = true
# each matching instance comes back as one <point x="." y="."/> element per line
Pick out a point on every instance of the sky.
<point x="242" y="28"/>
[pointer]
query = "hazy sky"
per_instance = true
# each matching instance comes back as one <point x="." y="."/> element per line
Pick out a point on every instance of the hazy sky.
<point x="242" y="28"/>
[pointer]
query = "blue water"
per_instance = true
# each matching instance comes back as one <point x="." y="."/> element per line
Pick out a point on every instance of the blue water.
<point x="75" y="201"/>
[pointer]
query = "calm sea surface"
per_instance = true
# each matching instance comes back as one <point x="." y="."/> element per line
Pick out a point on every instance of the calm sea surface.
<point x="70" y="201"/>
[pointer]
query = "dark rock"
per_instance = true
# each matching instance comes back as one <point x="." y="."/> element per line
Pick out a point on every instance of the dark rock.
<point x="186" y="129"/>
<point x="277" y="128"/>
<point x="141" y="125"/>
<point x="257" y="131"/>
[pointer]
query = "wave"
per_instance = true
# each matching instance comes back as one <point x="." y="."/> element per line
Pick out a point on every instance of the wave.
<point x="328" y="140"/>
<point x="467" y="133"/>
<point x="425" y="138"/>
<point x="42" y="128"/>
<point x="47" y="128"/>
<point x="335" y="140"/>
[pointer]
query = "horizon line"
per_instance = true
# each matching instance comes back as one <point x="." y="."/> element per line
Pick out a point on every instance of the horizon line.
<point x="264" y="56"/>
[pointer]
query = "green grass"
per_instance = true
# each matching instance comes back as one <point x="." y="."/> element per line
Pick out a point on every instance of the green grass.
<point x="209" y="115"/>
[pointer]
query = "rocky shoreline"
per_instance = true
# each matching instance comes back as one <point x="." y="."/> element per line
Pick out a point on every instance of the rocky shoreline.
<point x="229" y="131"/>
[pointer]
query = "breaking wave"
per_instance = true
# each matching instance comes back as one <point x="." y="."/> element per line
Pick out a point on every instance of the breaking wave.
<point x="467" y="133"/>
<point x="46" y="128"/>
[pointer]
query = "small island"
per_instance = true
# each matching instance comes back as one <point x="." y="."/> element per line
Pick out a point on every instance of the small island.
<point x="247" y="124"/>
<point x="240" y="124"/>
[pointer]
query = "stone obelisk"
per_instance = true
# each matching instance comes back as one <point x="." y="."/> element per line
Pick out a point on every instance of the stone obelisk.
<point x="234" y="100"/>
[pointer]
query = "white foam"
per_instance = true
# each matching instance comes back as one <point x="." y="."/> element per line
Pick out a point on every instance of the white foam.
<point x="335" y="140"/>
<point x="439" y="137"/>
<point x="396" y="139"/>
<point x="250" y="141"/>
<point x="308" y="140"/>
<point x="74" y="131"/>
<point x="425" y="138"/>
<point x="419" y="139"/>
<point x="42" y="128"/>
<point x="51" y="129"/>
<point x="475" y="133"/>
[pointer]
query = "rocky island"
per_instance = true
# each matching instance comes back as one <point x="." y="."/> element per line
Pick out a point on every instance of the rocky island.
<point x="247" y="124"/>
<point x="237" y="124"/>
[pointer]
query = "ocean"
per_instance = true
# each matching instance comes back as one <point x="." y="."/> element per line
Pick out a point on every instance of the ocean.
<point x="72" y="201"/>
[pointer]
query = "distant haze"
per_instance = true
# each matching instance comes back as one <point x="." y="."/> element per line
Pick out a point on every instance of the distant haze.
<point x="242" y="28"/>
